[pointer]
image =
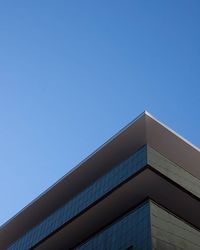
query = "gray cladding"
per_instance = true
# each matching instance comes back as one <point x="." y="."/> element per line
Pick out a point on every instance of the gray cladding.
<point x="149" y="227"/>
<point x="171" y="233"/>
<point x="173" y="171"/>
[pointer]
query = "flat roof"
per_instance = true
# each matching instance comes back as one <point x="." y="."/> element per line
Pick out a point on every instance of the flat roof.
<point x="145" y="129"/>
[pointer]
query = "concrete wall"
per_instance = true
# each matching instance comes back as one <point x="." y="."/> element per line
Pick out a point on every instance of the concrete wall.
<point x="173" y="171"/>
<point x="171" y="233"/>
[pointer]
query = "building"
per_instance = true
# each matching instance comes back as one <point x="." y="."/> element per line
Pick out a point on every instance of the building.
<point x="140" y="190"/>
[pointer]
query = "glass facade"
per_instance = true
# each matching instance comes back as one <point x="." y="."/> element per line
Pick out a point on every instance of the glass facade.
<point x="92" y="193"/>
<point x="132" y="231"/>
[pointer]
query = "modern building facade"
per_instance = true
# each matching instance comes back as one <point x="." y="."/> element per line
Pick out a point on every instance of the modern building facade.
<point x="140" y="190"/>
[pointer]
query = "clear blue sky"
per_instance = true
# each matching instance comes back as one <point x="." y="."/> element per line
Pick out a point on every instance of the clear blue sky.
<point x="72" y="73"/>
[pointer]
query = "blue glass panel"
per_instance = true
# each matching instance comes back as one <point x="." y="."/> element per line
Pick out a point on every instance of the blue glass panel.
<point x="132" y="231"/>
<point x="81" y="201"/>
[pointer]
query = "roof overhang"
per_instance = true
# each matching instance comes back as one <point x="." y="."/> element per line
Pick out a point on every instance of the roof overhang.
<point x="146" y="184"/>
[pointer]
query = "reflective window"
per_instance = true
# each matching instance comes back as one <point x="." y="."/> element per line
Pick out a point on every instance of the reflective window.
<point x="81" y="201"/>
<point x="132" y="231"/>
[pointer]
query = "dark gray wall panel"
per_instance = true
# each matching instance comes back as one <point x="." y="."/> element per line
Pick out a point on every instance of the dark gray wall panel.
<point x="171" y="233"/>
<point x="174" y="172"/>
